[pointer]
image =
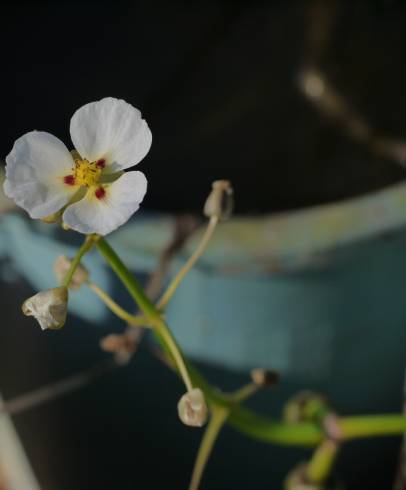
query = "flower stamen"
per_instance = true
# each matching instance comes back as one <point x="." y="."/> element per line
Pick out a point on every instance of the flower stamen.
<point x="69" y="179"/>
<point x="87" y="173"/>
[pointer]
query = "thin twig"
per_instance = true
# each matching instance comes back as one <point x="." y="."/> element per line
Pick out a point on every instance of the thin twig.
<point x="319" y="90"/>
<point x="184" y="227"/>
<point x="54" y="390"/>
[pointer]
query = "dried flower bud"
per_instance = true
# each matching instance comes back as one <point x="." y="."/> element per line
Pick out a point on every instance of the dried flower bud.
<point x="48" y="307"/>
<point x="122" y="345"/>
<point x="61" y="267"/>
<point x="264" y="377"/>
<point x="220" y="202"/>
<point x="192" y="408"/>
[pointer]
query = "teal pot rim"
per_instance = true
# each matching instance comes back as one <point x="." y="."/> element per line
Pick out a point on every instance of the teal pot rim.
<point x="297" y="239"/>
<point x="265" y="244"/>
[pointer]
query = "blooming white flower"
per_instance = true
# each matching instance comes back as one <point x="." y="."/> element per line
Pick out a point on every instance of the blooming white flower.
<point x="43" y="177"/>
<point x="48" y="307"/>
<point x="192" y="408"/>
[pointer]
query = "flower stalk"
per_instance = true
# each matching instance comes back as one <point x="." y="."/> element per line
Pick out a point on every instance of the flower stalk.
<point x="151" y="313"/>
<point x="217" y="421"/>
<point x="133" y="320"/>
<point x="319" y="467"/>
<point x="87" y="245"/>
<point x="204" y="242"/>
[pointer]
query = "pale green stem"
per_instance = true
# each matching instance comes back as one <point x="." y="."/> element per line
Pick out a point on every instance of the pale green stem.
<point x="87" y="245"/>
<point x="319" y="467"/>
<point x="189" y="264"/>
<point x="216" y="422"/>
<point x="163" y="331"/>
<point x="151" y="312"/>
<point x="244" y="393"/>
<point x="134" y="320"/>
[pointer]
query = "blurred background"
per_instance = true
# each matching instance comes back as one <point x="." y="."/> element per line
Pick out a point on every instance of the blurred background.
<point x="298" y="104"/>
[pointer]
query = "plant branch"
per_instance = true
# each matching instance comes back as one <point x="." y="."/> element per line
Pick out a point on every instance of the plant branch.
<point x="87" y="245"/>
<point x="218" y="418"/>
<point x="189" y="264"/>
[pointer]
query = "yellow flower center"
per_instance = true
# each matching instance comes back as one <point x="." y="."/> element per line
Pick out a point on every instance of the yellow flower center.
<point x="87" y="173"/>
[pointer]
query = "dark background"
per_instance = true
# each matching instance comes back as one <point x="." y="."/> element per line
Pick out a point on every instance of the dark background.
<point x="217" y="83"/>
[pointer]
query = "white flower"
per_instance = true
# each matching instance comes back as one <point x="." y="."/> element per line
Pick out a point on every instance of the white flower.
<point x="43" y="177"/>
<point x="192" y="408"/>
<point x="61" y="267"/>
<point x="48" y="307"/>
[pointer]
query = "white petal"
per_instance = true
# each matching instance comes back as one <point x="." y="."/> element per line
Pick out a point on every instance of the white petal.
<point x="122" y="198"/>
<point x="113" y="130"/>
<point x="34" y="174"/>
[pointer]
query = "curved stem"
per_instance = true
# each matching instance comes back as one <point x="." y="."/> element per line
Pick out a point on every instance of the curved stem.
<point x="189" y="264"/>
<point x="218" y="418"/>
<point x="163" y="331"/>
<point x="134" y="320"/>
<point x="244" y="392"/>
<point x="87" y="245"/>
<point x="319" y="467"/>
<point x="151" y="312"/>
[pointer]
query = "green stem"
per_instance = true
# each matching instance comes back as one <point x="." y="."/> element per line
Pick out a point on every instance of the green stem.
<point x="244" y="393"/>
<point x="256" y="426"/>
<point x="319" y="467"/>
<point x="372" y="425"/>
<point x="134" y="320"/>
<point x="218" y="418"/>
<point x="127" y="279"/>
<point x="86" y="246"/>
<point x="150" y="311"/>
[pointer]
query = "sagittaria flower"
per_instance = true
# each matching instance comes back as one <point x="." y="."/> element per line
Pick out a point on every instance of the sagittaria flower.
<point x="87" y="185"/>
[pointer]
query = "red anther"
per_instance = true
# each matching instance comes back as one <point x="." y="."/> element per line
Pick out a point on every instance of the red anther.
<point x="101" y="163"/>
<point x="69" y="179"/>
<point x="100" y="193"/>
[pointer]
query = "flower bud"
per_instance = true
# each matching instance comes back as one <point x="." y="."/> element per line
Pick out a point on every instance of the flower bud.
<point x="264" y="378"/>
<point x="192" y="408"/>
<point x="220" y="202"/>
<point x="122" y="346"/>
<point x="306" y="406"/>
<point x="61" y="267"/>
<point x="48" y="307"/>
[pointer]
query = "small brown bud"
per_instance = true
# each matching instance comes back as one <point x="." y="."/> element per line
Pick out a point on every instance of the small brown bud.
<point x="264" y="377"/>
<point x="122" y="345"/>
<point x="220" y="202"/>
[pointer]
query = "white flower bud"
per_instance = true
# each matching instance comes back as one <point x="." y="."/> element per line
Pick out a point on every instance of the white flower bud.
<point x="192" y="408"/>
<point x="48" y="307"/>
<point x="61" y="267"/>
<point x="220" y="202"/>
